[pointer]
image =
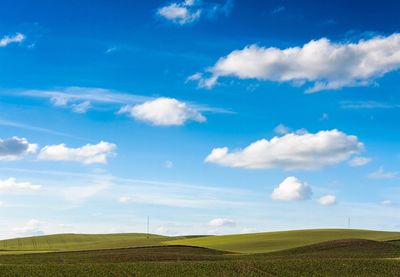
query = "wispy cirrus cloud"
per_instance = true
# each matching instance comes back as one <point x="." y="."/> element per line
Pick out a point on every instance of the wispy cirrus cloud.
<point x="6" y="40"/>
<point x="382" y="174"/>
<point x="189" y="11"/>
<point x="81" y="99"/>
<point x="359" y="105"/>
<point x="324" y="64"/>
<point x="19" y="125"/>
<point x="359" y="161"/>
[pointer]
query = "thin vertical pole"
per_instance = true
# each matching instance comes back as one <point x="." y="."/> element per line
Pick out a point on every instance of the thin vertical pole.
<point x="148" y="226"/>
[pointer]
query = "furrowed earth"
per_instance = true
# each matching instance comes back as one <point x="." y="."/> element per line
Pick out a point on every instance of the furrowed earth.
<point x="323" y="252"/>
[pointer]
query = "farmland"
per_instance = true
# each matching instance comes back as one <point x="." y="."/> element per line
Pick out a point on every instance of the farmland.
<point x="322" y="253"/>
<point x="274" y="241"/>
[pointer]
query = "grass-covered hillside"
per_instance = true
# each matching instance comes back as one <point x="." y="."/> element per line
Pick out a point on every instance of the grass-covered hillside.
<point x="242" y="243"/>
<point x="275" y="241"/>
<point x="73" y="242"/>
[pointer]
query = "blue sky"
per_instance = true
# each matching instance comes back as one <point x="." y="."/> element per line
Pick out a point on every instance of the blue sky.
<point x="210" y="117"/>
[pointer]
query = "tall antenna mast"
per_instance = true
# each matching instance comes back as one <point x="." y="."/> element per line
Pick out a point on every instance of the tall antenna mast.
<point x="148" y="226"/>
<point x="348" y="223"/>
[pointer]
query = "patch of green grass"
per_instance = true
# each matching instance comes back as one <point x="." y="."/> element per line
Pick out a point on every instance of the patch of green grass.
<point x="73" y="242"/>
<point x="153" y="253"/>
<point x="275" y="241"/>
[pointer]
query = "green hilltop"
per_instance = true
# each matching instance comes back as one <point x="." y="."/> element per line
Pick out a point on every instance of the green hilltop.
<point x="240" y="243"/>
<point x="275" y="241"/>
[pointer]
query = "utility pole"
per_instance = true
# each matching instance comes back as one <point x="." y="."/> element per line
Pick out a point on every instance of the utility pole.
<point x="348" y="223"/>
<point x="148" y="226"/>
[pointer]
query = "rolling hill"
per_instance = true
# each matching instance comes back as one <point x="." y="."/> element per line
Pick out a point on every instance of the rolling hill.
<point x="275" y="241"/>
<point x="242" y="243"/>
<point x="74" y="242"/>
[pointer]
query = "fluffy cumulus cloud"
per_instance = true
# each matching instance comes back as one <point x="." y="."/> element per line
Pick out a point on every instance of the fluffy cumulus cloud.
<point x="292" y="189"/>
<point x="164" y="112"/>
<point x="14" y="148"/>
<point x="298" y="150"/>
<point x="181" y="13"/>
<point x="327" y="200"/>
<point x="222" y="222"/>
<point x="324" y="64"/>
<point x="17" y="38"/>
<point x="359" y="161"/>
<point x="87" y="154"/>
<point x="12" y="185"/>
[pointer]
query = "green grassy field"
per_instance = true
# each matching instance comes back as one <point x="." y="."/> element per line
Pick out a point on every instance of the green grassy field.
<point x="324" y="252"/>
<point x="274" y="241"/>
<point x="194" y="261"/>
<point x="243" y="243"/>
<point x="73" y="242"/>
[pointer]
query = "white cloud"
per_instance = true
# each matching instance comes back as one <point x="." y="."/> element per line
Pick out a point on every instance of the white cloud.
<point x="72" y="97"/>
<point x="382" y="174"/>
<point x="359" y="161"/>
<point x="111" y="50"/>
<point x="1" y="204"/>
<point x="180" y="201"/>
<point x="15" y="124"/>
<point x="387" y="202"/>
<point x="292" y="189"/>
<point x="324" y="116"/>
<point x="222" y="222"/>
<point x="80" y="193"/>
<point x="80" y="98"/>
<point x="356" y="105"/>
<point x="87" y="154"/>
<point x="14" y="148"/>
<point x="190" y="11"/>
<point x="291" y="151"/>
<point x="31" y="228"/>
<point x="327" y="200"/>
<point x="278" y="9"/>
<point x="81" y="107"/>
<point x="181" y="13"/>
<point x="164" y="112"/>
<point x="6" y="40"/>
<point x="248" y="230"/>
<point x="166" y="231"/>
<point x="281" y="129"/>
<point x="11" y="185"/>
<point x="168" y="164"/>
<point x="324" y="64"/>
<point x="124" y="199"/>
